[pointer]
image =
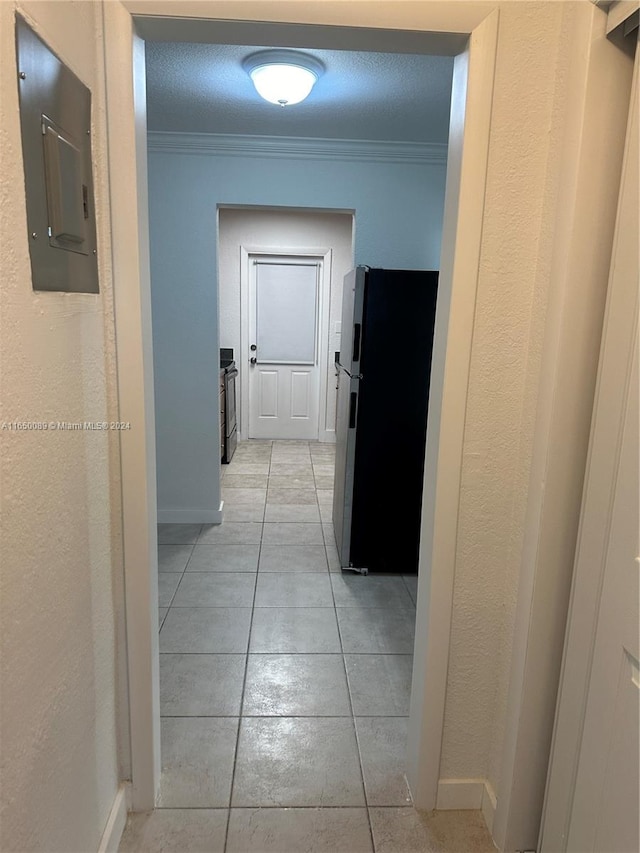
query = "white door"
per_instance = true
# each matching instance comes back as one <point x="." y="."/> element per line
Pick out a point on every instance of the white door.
<point x="592" y="797"/>
<point x="284" y="376"/>
<point x="606" y="800"/>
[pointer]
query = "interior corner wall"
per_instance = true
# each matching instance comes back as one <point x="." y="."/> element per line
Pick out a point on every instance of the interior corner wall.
<point x="398" y="223"/>
<point x="505" y="362"/>
<point x="61" y="583"/>
<point x="285" y="230"/>
<point x="524" y="232"/>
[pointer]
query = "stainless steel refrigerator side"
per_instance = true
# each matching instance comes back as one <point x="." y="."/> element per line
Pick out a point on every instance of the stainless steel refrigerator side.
<point x="346" y="421"/>
<point x="351" y="319"/>
<point x="346" y="317"/>
<point x="343" y="484"/>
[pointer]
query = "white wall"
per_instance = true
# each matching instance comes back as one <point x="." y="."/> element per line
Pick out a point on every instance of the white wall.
<point x="513" y="288"/>
<point x="539" y="273"/>
<point x="286" y="230"/>
<point x="61" y="584"/>
<point x="398" y="213"/>
<point x="58" y="587"/>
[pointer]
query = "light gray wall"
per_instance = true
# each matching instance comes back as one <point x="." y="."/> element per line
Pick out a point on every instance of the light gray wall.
<point x="398" y="219"/>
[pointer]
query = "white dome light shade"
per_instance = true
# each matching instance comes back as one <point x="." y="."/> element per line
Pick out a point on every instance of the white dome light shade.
<point x="283" y="84"/>
<point x="283" y="77"/>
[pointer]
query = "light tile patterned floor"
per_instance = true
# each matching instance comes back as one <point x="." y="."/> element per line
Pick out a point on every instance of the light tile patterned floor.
<point x="284" y="683"/>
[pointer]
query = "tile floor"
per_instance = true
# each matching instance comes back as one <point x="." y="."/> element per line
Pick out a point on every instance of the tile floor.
<point x="284" y="683"/>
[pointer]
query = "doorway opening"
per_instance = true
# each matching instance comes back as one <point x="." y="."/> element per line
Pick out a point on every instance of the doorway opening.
<point x="252" y="241"/>
<point x="285" y="328"/>
<point x="286" y="261"/>
<point x="448" y="389"/>
<point x="271" y="501"/>
<point x="280" y="272"/>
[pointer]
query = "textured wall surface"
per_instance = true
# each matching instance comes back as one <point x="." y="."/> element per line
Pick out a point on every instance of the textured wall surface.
<point x="505" y="363"/>
<point x="60" y="552"/>
<point x="286" y="230"/>
<point x="203" y="88"/>
<point x="61" y="575"/>
<point x="398" y="223"/>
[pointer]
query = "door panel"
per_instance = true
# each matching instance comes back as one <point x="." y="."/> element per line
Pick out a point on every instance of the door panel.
<point x="286" y="312"/>
<point x="619" y="817"/>
<point x="592" y="796"/>
<point x="284" y="380"/>
<point x="300" y="394"/>
<point x="605" y="811"/>
<point x="268" y="381"/>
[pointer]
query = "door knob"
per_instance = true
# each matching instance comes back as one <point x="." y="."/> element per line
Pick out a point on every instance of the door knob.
<point x="253" y="360"/>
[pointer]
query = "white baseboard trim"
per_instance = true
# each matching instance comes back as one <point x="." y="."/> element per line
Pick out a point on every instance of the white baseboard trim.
<point x="117" y="820"/>
<point x="459" y="794"/>
<point x="325" y="436"/>
<point x="489" y="802"/>
<point x="468" y="794"/>
<point x="190" y="516"/>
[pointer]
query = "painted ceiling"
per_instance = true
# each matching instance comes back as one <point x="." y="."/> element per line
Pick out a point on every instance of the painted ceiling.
<point x="202" y="88"/>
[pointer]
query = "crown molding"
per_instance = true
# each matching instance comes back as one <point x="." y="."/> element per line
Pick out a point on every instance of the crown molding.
<point x="299" y="148"/>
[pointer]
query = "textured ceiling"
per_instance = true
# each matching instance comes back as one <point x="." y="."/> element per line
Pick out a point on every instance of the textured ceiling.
<point x="202" y="88"/>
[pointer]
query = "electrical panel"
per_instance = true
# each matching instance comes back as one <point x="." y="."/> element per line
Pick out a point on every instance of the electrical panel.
<point x="55" y="122"/>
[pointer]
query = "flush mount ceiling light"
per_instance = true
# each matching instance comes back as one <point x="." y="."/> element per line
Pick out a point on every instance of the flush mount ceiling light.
<point x="283" y="77"/>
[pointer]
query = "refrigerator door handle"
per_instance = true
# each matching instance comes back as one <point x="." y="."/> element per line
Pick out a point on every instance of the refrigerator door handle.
<point x="340" y="368"/>
<point x="357" y="331"/>
<point x="353" y="410"/>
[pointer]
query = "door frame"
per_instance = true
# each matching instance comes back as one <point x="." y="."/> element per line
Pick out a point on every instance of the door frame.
<point x="324" y="256"/>
<point x="469" y="32"/>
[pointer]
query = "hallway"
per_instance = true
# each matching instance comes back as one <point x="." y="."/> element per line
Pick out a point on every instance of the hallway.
<point x="284" y="683"/>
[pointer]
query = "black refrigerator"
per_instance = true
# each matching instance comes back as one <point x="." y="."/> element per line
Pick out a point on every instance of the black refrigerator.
<point x="383" y="374"/>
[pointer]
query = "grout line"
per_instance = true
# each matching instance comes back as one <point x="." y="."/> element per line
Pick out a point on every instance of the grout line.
<point x="404" y="580"/>
<point x="182" y="573"/>
<point x="353" y="719"/>
<point x="274" y="717"/>
<point x="244" y="681"/>
<point x="263" y="606"/>
<point x="162" y="621"/>
<point x="246" y="657"/>
<point x="253" y="808"/>
<point x="293" y="654"/>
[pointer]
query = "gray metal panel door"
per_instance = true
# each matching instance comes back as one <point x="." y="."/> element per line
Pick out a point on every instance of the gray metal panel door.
<point x="348" y="386"/>
<point x="351" y="326"/>
<point x="344" y="468"/>
<point x="55" y="120"/>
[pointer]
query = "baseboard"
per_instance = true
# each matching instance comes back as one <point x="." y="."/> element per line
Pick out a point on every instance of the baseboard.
<point x="476" y="794"/>
<point x="190" y="516"/>
<point x="325" y="436"/>
<point x="112" y="835"/>
<point x="489" y="802"/>
<point x="459" y="794"/>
